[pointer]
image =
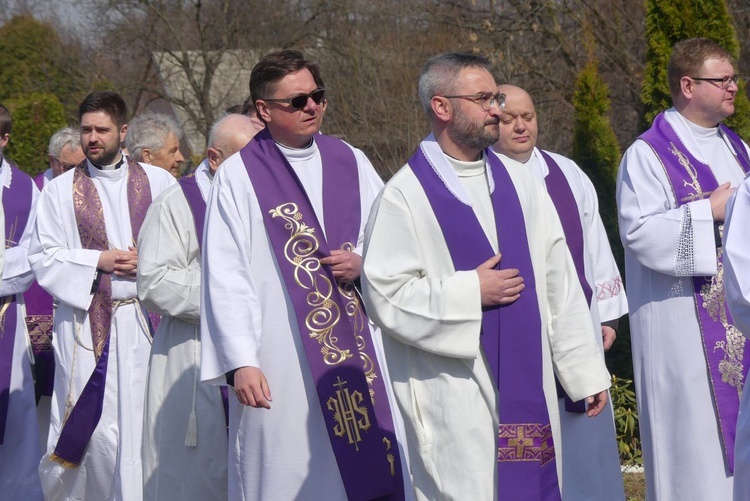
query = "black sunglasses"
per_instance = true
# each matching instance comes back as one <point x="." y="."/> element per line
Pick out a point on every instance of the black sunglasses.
<point x="299" y="102"/>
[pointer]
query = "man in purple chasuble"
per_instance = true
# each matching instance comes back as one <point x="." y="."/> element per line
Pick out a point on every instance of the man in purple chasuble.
<point x="592" y="460"/>
<point x="311" y="415"/>
<point x="19" y="436"/>
<point x="185" y="433"/>
<point x="690" y="361"/>
<point x="467" y="273"/>
<point x="83" y="252"/>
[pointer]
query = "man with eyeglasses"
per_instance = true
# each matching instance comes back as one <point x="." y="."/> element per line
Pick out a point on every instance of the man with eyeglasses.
<point x="690" y="362"/>
<point x="591" y="462"/>
<point x="64" y="151"/>
<point x="310" y="416"/>
<point x="184" y="436"/>
<point x="467" y="274"/>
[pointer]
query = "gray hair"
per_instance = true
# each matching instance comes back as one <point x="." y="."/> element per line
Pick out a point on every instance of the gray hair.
<point x="150" y="131"/>
<point x="215" y="133"/>
<point x="440" y="72"/>
<point x="65" y="137"/>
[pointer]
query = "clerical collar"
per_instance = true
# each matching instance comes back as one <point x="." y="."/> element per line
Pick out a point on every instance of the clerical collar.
<point x="467" y="169"/>
<point x="298" y="154"/>
<point x="113" y="166"/>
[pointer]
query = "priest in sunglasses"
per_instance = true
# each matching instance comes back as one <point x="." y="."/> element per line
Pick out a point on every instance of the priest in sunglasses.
<point x="311" y="415"/>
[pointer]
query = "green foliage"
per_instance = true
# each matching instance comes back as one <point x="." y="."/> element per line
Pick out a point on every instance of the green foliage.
<point x="626" y="421"/>
<point x="669" y="21"/>
<point x="35" y="118"/>
<point x="595" y="146"/>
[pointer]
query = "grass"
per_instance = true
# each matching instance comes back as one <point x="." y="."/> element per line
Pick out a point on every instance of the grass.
<point x="635" y="486"/>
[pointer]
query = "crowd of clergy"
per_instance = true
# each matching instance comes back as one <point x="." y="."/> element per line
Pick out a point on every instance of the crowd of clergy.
<point x="279" y="324"/>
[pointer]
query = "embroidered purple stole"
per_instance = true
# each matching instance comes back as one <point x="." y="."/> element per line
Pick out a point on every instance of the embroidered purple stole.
<point x="39" y="304"/>
<point x="194" y="197"/>
<point x="17" y="199"/>
<point x="565" y="203"/>
<point x="84" y="417"/>
<point x="511" y="335"/>
<point x="332" y="324"/>
<point x="727" y="353"/>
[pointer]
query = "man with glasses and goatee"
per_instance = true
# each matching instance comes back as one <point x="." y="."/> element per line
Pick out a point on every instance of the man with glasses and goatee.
<point x="467" y="273"/>
<point x="690" y="363"/>
<point x="310" y="416"/>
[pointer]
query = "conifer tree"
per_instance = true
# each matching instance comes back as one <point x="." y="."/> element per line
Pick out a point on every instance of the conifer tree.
<point x="668" y="22"/>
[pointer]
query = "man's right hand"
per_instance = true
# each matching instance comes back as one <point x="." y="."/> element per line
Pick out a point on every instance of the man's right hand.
<point x="498" y="287"/>
<point x="251" y="387"/>
<point x="718" y="199"/>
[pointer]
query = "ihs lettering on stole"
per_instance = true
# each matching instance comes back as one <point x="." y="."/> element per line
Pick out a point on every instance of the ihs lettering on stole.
<point x="714" y="301"/>
<point x="350" y="415"/>
<point x="690" y="169"/>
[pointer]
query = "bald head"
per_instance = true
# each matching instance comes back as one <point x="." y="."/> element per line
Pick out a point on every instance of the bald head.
<point x="518" y="126"/>
<point x="228" y="136"/>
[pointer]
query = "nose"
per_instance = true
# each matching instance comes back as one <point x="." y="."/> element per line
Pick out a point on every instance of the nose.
<point x="179" y="158"/>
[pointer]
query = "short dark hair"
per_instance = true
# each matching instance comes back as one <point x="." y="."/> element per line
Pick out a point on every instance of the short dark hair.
<point x="6" y="122"/>
<point x="688" y="57"/>
<point x="275" y="66"/>
<point x="109" y="102"/>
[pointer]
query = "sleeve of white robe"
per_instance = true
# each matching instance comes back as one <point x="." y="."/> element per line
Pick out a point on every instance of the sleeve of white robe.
<point x="230" y="311"/>
<point x="437" y="314"/>
<point x="370" y="185"/>
<point x="651" y="228"/>
<point x="609" y="293"/>
<point x="16" y="273"/>
<point x="737" y="258"/>
<point x="578" y="360"/>
<point x="65" y="270"/>
<point x="168" y="277"/>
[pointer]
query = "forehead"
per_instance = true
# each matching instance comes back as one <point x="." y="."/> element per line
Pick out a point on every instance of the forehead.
<point x="299" y="82"/>
<point x="517" y="102"/>
<point x="97" y="119"/>
<point x="721" y="67"/>
<point x="473" y="80"/>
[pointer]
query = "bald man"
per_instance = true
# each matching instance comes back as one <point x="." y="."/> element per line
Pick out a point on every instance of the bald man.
<point x="591" y="466"/>
<point x="184" y="440"/>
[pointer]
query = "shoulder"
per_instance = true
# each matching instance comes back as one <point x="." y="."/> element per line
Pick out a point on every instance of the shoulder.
<point x="170" y="196"/>
<point x="572" y="171"/>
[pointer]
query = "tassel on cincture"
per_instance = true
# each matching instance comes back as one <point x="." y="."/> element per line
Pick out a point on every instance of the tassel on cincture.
<point x="191" y="437"/>
<point x="67" y="464"/>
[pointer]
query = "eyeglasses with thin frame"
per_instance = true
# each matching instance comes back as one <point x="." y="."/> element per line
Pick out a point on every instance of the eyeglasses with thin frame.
<point x="484" y="99"/>
<point x="299" y="102"/>
<point x="722" y="81"/>
<point x="65" y="167"/>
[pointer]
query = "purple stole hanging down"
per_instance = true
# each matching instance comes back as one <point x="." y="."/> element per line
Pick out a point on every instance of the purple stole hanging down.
<point x="727" y="353"/>
<point x="39" y="324"/>
<point x="16" y="204"/>
<point x="83" y="418"/>
<point x="194" y="197"/>
<point x="511" y="335"/>
<point x="565" y="203"/>
<point x="332" y="324"/>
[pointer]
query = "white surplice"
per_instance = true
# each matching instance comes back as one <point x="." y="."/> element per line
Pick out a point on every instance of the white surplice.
<point x="20" y="451"/>
<point x="592" y="462"/>
<point x="111" y="466"/>
<point x="737" y="286"/>
<point x="247" y="320"/>
<point x="431" y="318"/>
<point x="169" y="284"/>
<point x="664" y="247"/>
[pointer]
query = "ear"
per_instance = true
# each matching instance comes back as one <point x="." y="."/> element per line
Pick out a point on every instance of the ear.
<point x="262" y="108"/>
<point x="123" y="132"/>
<point x="441" y="108"/>
<point x="214" y="159"/>
<point x="146" y="155"/>
<point x="4" y="140"/>
<point x="686" y="87"/>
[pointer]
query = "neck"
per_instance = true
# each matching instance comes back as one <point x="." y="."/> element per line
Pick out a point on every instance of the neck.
<point x="520" y="158"/>
<point x="698" y="118"/>
<point x="455" y="150"/>
<point x="115" y="165"/>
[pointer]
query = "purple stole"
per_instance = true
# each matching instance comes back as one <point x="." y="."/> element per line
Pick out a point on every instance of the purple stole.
<point x="16" y="204"/>
<point x="192" y="192"/>
<point x="83" y="418"/>
<point x="726" y="351"/>
<point x="39" y="307"/>
<point x="511" y="335"/>
<point x="333" y="326"/>
<point x="565" y="203"/>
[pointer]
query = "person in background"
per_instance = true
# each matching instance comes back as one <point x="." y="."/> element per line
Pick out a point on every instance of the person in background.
<point x="154" y="138"/>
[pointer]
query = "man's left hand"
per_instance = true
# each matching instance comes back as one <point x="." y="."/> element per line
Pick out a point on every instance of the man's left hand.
<point x="595" y="403"/>
<point x="346" y="265"/>
<point x="608" y="336"/>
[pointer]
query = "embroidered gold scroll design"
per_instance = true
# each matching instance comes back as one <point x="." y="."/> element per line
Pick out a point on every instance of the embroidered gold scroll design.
<point x="525" y="442"/>
<point x="350" y="415"/>
<point x="714" y="301"/>
<point x="40" y="332"/>
<point x="300" y="250"/>
<point x="690" y="169"/>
